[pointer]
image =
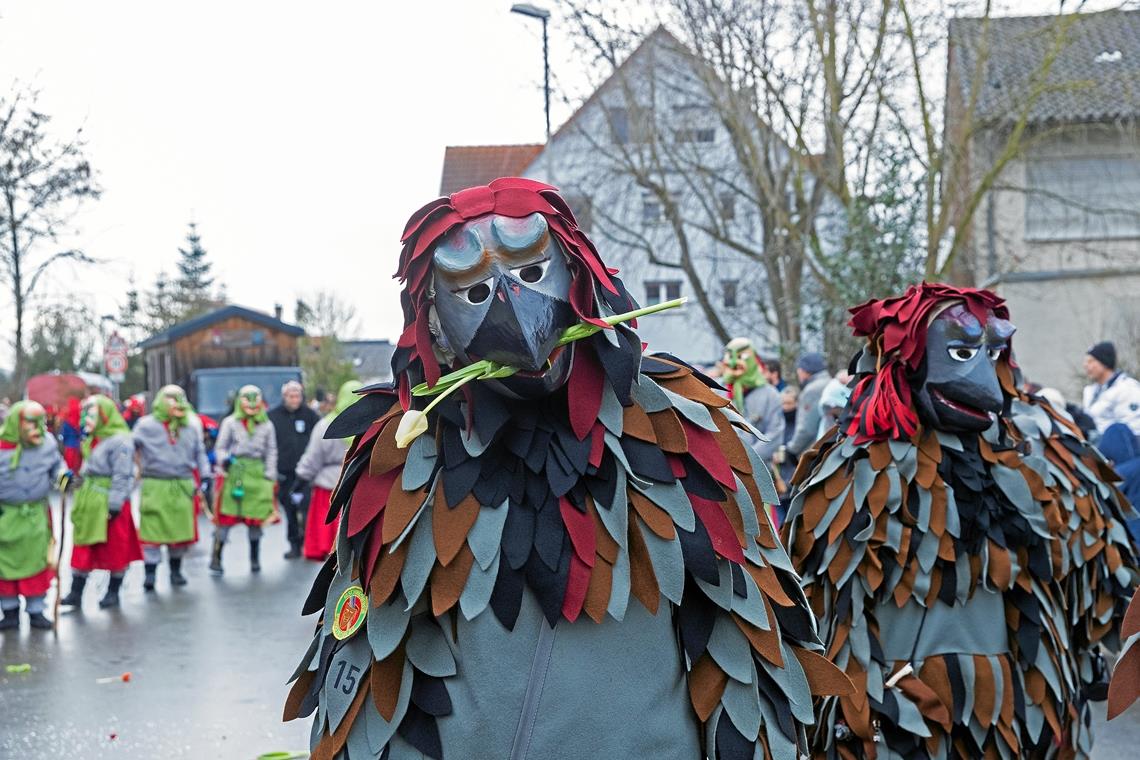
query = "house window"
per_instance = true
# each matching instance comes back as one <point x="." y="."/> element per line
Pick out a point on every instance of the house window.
<point x="618" y="119"/>
<point x="583" y="210"/>
<point x="705" y="135"/>
<point x="728" y="293"/>
<point x="657" y="291"/>
<point x="651" y="211"/>
<point x="727" y="202"/>
<point x="1094" y="198"/>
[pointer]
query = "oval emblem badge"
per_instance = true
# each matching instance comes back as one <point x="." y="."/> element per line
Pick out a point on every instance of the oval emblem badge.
<point x="351" y="609"/>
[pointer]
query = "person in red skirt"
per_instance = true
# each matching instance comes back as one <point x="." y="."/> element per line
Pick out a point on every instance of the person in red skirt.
<point x="29" y="465"/>
<point x="104" y="535"/>
<point x="320" y="467"/>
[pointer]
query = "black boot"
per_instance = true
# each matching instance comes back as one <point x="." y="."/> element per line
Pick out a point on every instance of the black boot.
<point x="176" y="576"/>
<point x="148" y="581"/>
<point x="74" y="597"/>
<point x="254" y="555"/>
<point x="216" y="557"/>
<point x="294" y="551"/>
<point x="11" y="620"/>
<point x="111" y="598"/>
<point x="39" y="620"/>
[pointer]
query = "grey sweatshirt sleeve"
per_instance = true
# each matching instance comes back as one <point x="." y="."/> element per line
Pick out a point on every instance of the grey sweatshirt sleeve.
<point x="807" y="419"/>
<point x="225" y="441"/>
<point x="311" y="461"/>
<point x="122" y="462"/>
<point x="271" y="452"/>
<point x="765" y="412"/>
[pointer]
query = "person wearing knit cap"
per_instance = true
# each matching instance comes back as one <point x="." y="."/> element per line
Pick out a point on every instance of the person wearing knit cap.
<point x="811" y="370"/>
<point x="29" y="465"/>
<point x="1113" y="395"/>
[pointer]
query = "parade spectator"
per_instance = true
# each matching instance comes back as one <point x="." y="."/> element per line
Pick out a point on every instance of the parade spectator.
<point x="293" y="423"/>
<point x="320" y="467"/>
<point x="784" y="461"/>
<point x="1113" y="395"/>
<point x="811" y="370"/>
<point x="70" y="435"/>
<point x="774" y="372"/>
<point x="832" y="401"/>
<point x="1119" y="447"/>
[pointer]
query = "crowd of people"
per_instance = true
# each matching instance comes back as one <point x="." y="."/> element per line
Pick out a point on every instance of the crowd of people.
<point x="256" y="464"/>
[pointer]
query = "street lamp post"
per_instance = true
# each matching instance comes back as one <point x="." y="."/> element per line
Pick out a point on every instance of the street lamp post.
<point x="543" y="15"/>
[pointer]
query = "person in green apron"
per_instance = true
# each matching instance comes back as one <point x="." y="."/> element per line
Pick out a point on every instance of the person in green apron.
<point x="29" y="465"/>
<point x="173" y="463"/>
<point x="104" y="535"/>
<point x="246" y="453"/>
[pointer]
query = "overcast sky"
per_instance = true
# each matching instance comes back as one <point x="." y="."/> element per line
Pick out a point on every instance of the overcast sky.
<point x="300" y="136"/>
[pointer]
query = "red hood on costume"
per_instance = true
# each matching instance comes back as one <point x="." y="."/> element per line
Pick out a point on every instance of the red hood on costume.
<point x="895" y="329"/>
<point x="508" y="196"/>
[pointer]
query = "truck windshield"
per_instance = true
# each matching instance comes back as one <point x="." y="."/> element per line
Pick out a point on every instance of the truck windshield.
<point x="215" y="392"/>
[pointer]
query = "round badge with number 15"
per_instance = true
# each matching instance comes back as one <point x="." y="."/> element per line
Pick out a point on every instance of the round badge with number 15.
<point x="351" y="609"/>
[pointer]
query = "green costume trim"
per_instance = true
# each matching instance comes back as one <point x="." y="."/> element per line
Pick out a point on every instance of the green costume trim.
<point x="247" y="494"/>
<point x="752" y="377"/>
<point x="166" y="510"/>
<point x="345" y="398"/>
<point x="250" y="421"/>
<point x="25" y="536"/>
<point x="90" y="512"/>
<point x="10" y="431"/>
<point x="173" y="424"/>
<point x="108" y="423"/>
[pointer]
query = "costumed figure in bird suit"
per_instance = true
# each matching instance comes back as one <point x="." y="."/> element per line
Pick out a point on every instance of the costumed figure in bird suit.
<point x="962" y="545"/>
<point x="246" y="454"/>
<point x="172" y="459"/>
<point x="29" y="465"/>
<point x="572" y="561"/>
<point x="104" y="535"/>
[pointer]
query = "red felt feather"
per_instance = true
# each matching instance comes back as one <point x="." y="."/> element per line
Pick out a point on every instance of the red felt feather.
<point x="703" y="447"/>
<point x="577" y="583"/>
<point x="368" y="498"/>
<point x="724" y="540"/>
<point x="585" y="391"/>
<point x="580" y="526"/>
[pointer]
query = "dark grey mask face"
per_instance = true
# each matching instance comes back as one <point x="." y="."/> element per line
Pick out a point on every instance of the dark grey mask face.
<point x="962" y="391"/>
<point x="502" y="292"/>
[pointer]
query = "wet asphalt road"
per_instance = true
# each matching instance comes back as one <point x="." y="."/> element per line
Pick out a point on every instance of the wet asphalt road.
<point x="208" y="664"/>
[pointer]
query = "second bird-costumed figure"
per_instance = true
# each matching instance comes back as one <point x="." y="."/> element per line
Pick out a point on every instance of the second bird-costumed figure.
<point x="246" y="454"/>
<point x="104" y="535"/>
<point x="173" y="464"/>
<point x="29" y="465"/>
<point x="571" y="561"/>
<point x="963" y="546"/>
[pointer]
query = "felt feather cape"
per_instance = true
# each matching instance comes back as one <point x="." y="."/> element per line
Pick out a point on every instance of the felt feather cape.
<point x="657" y="502"/>
<point x="1124" y="689"/>
<point x="963" y="582"/>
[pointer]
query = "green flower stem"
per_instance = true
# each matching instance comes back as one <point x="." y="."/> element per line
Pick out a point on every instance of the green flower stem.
<point x="489" y="370"/>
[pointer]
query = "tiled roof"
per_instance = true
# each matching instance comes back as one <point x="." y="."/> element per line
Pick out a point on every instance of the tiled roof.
<point x="1095" y="77"/>
<point x="183" y="329"/>
<point x="471" y="165"/>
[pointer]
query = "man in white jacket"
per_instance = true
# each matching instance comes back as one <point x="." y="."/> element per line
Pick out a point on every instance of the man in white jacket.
<point x="1113" y="396"/>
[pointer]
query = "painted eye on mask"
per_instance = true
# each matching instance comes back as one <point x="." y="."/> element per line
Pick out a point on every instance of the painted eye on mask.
<point x="962" y="353"/>
<point x="477" y="293"/>
<point x="532" y="273"/>
<point x="994" y="352"/>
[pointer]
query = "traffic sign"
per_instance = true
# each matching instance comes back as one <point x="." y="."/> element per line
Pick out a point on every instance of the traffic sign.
<point x="115" y="357"/>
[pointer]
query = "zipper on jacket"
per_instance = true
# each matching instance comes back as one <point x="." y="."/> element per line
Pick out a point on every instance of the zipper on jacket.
<point x="534" y="686"/>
